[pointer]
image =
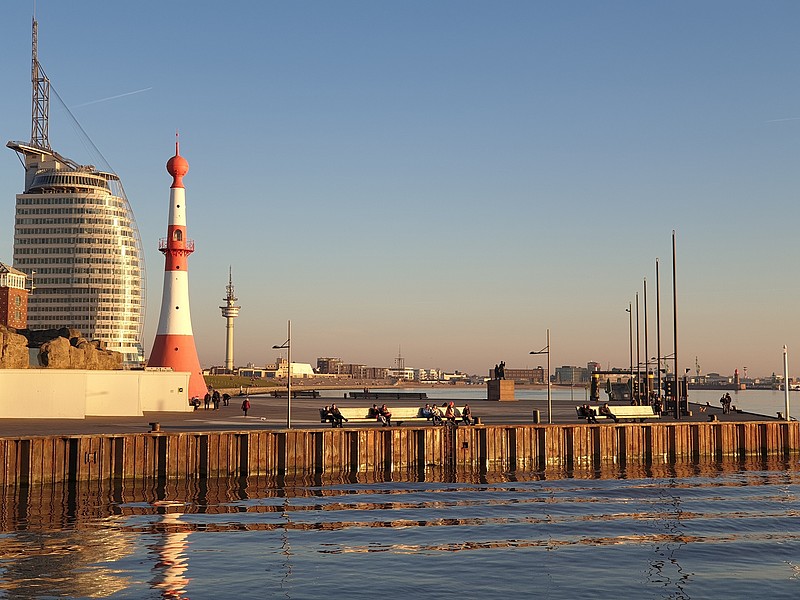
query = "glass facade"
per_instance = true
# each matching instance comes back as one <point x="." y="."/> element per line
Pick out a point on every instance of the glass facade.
<point x="76" y="238"/>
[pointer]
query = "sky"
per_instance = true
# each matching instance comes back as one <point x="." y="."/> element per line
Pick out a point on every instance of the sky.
<point x="446" y="180"/>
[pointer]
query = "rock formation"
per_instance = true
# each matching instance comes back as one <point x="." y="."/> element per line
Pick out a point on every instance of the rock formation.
<point x="13" y="349"/>
<point x="63" y="348"/>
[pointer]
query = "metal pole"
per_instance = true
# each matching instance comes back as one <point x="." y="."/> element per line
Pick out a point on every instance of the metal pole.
<point x="630" y="343"/>
<point x="675" y="328"/>
<point x="638" y="358"/>
<point x="646" y="352"/>
<point x="658" y="328"/>
<point x="549" y="396"/>
<point x="786" y="380"/>
<point x="289" y="378"/>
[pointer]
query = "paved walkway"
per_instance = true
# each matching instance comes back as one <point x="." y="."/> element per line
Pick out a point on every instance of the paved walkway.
<point x="270" y="413"/>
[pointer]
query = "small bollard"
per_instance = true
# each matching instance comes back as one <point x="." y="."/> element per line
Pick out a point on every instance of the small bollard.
<point x="155" y="427"/>
<point x="536" y="417"/>
<point x="713" y="418"/>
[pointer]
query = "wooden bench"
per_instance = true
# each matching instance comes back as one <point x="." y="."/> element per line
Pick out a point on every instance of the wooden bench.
<point x="389" y="395"/>
<point x="400" y="415"/>
<point x="624" y="413"/>
<point x="633" y="413"/>
<point x="296" y="393"/>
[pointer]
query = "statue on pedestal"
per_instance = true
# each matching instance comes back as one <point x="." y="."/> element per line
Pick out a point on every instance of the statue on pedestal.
<point x="500" y="370"/>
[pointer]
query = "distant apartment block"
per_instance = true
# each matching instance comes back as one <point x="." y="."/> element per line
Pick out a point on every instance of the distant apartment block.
<point x="572" y="375"/>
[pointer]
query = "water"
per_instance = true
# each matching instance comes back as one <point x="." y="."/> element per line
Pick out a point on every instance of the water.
<point x="688" y="531"/>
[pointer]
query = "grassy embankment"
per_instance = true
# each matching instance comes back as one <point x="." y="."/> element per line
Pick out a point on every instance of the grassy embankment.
<point x="232" y="382"/>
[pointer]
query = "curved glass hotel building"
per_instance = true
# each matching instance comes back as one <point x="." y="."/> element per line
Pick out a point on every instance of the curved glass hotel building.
<point x="76" y="239"/>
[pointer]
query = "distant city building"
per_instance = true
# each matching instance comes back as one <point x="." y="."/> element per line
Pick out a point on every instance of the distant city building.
<point x="594" y="366"/>
<point x="280" y="369"/>
<point x="570" y="375"/>
<point x="401" y="373"/>
<point x="13" y="298"/>
<point x="536" y="375"/>
<point x="329" y="366"/>
<point x="335" y="366"/>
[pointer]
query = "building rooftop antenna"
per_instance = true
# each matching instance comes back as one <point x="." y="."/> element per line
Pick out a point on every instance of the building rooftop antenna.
<point x="40" y="104"/>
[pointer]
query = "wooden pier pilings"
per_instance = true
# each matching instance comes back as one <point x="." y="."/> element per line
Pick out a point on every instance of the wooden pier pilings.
<point x="299" y="452"/>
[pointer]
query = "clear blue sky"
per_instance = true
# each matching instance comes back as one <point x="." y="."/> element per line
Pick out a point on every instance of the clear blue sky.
<point x="450" y="177"/>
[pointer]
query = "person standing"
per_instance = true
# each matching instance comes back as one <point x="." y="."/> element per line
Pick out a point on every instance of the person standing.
<point x="245" y="406"/>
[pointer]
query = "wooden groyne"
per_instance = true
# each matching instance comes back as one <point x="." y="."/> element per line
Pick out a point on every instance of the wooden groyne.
<point x="291" y="453"/>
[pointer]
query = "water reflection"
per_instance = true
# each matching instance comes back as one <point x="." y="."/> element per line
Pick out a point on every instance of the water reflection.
<point x="90" y="540"/>
<point x="168" y="553"/>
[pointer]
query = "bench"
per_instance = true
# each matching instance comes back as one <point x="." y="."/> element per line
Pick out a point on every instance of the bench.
<point x="389" y="395"/>
<point x="400" y="415"/>
<point x="624" y="413"/>
<point x="296" y="393"/>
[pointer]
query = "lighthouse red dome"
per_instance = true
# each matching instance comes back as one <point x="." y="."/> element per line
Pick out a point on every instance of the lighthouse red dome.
<point x="177" y="166"/>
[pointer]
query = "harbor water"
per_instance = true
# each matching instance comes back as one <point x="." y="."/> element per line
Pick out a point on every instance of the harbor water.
<point x="722" y="530"/>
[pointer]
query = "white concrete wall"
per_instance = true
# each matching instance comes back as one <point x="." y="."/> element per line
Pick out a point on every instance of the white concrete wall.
<point x="76" y="394"/>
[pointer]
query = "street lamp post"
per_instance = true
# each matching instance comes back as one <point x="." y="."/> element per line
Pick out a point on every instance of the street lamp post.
<point x="288" y="345"/>
<point x="546" y="350"/>
<point x="786" y="381"/>
<point x="658" y="330"/>
<point x="629" y="310"/>
<point x="638" y="358"/>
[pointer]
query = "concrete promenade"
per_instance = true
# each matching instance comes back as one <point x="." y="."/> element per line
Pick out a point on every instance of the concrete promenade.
<point x="268" y="413"/>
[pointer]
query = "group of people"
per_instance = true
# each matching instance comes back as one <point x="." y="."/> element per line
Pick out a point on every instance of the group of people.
<point x="434" y="413"/>
<point x="212" y="397"/>
<point x="382" y="414"/>
<point x="588" y="411"/>
<point x="332" y="414"/>
<point x="725" y="401"/>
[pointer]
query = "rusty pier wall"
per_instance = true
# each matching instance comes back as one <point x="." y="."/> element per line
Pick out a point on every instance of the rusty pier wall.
<point x="189" y="455"/>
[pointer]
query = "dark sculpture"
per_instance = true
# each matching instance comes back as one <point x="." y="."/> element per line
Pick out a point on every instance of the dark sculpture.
<point x="500" y="370"/>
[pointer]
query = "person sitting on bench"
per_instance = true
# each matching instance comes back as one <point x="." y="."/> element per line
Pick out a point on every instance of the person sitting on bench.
<point x="336" y="416"/>
<point x="606" y="411"/>
<point x="375" y="413"/>
<point x="386" y="415"/>
<point x="588" y="412"/>
<point x="466" y="414"/>
<point x="450" y="413"/>
<point x="325" y="415"/>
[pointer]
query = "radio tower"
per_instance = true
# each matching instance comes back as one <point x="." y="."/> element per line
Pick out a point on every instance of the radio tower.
<point x="230" y="311"/>
<point x="174" y="345"/>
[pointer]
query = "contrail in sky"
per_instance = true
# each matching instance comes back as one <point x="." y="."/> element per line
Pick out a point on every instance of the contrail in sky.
<point x="114" y="97"/>
<point x="787" y="119"/>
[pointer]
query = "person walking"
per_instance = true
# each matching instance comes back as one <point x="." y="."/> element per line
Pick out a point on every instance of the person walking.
<point x="245" y="406"/>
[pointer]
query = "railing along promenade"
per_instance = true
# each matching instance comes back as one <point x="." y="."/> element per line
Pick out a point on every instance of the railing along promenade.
<point x="184" y="455"/>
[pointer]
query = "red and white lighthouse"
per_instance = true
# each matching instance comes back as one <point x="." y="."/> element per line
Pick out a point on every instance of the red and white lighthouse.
<point x="174" y="345"/>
